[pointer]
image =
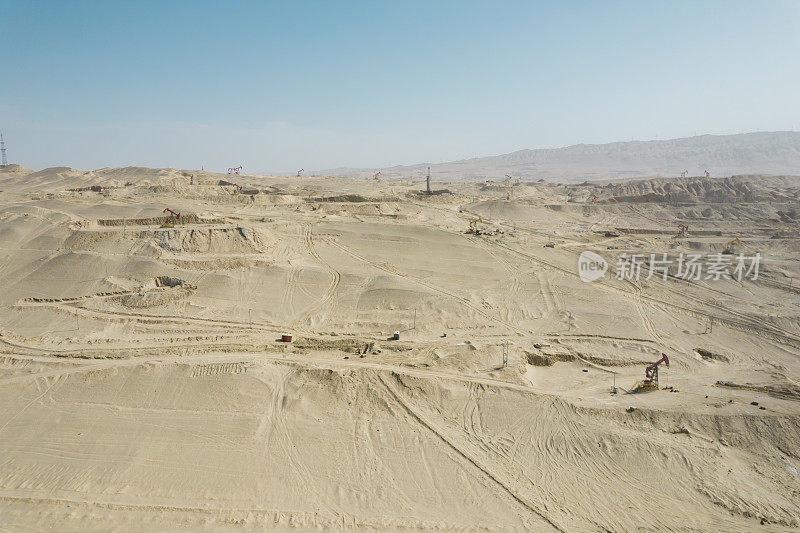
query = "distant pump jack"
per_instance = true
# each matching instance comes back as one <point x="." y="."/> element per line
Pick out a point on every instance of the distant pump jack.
<point x="173" y="217"/>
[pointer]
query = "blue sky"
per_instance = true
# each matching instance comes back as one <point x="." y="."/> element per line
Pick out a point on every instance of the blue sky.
<point x="277" y="86"/>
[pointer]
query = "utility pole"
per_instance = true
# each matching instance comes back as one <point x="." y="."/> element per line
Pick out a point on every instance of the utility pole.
<point x="3" y="151"/>
<point x="505" y="353"/>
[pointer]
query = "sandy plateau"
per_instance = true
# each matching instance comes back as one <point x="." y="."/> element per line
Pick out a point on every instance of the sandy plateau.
<point x="144" y="386"/>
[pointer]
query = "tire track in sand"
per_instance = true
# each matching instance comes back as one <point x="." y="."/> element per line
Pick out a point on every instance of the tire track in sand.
<point x="330" y="292"/>
<point x="289" y="290"/>
<point x="471" y="456"/>
<point x="386" y="267"/>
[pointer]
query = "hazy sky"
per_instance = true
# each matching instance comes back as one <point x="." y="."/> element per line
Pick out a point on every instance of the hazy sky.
<point x="283" y="85"/>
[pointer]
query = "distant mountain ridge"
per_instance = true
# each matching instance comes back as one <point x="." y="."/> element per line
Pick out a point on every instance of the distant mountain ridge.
<point x="722" y="155"/>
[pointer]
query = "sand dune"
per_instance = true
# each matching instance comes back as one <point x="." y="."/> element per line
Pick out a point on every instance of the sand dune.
<point x="145" y="387"/>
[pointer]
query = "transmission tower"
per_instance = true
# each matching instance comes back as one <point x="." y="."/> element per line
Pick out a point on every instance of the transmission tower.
<point x="3" y="150"/>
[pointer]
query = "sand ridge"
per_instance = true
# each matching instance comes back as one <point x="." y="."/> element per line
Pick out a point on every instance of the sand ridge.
<point x="144" y="384"/>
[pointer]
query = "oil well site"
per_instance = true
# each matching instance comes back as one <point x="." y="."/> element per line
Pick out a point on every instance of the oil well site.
<point x="212" y="351"/>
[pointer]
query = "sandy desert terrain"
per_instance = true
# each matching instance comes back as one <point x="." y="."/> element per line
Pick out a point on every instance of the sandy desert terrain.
<point x="144" y="385"/>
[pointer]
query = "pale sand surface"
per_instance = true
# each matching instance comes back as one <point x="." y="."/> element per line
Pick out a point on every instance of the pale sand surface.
<point x="128" y="404"/>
